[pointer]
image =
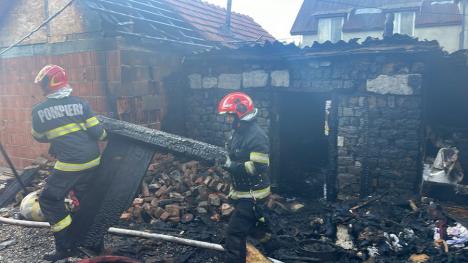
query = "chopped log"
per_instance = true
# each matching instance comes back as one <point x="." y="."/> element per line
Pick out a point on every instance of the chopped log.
<point x="207" y="180"/>
<point x="164" y="216"/>
<point x="213" y="199"/>
<point x="157" y="212"/>
<point x="154" y="202"/>
<point x="126" y="216"/>
<point x="168" y="201"/>
<point x="199" y="180"/>
<point x="147" y="208"/>
<point x="173" y="210"/>
<point x="144" y="189"/>
<point x="138" y="201"/>
<point x="163" y="190"/>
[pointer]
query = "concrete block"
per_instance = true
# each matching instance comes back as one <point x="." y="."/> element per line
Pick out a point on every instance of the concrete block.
<point x="280" y="78"/>
<point x="255" y="79"/>
<point x="210" y="82"/>
<point x="396" y="85"/>
<point x="195" y="81"/>
<point x="230" y="81"/>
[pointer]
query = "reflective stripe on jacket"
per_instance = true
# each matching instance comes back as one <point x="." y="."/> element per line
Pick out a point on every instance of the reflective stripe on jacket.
<point x="249" y="150"/>
<point x="72" y="130"/>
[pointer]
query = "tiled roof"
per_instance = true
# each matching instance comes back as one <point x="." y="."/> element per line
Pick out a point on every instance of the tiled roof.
<point x="210" y="19"/>
<point x="187" y="22"/>
<point x="429" y="13"/>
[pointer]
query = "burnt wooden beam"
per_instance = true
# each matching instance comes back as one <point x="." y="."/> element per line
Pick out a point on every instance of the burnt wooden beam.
<point x="9" y="193"/>
<point x="112" y="189"/>
<point x="165" y="141"/>
<point x="124" y="163"/>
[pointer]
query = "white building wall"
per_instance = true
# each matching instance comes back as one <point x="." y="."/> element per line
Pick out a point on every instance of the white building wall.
<point x="362" y="35"/>
<point x="447" y="36"/>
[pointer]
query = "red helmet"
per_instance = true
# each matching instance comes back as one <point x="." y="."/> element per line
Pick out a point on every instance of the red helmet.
<point x="53" y="77"/>
<point x="238" y="103"/>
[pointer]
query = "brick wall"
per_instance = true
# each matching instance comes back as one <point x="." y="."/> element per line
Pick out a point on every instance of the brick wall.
<point x="18" y="94"/>
<point x="136" y="80"/>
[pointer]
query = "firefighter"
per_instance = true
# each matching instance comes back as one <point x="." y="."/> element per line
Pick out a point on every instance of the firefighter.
<point x="248" y="162"/>
<point x="70" y="126"/>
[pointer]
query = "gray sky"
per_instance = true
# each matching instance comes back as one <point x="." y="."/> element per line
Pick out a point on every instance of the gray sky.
<point x="276" y="16"/>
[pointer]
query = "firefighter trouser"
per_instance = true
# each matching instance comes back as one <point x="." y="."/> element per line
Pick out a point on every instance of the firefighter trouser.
<point x="57" y="187"/>
<point x="247" y="219"/>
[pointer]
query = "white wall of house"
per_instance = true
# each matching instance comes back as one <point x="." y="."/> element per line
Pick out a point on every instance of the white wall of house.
<point x="447" y="36"/>
<point x="362" y="35"/>
<point x="308" y="40"/>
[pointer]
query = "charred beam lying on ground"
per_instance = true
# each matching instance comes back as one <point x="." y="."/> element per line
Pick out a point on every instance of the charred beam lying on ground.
<point x="9" y="193"/>
<point x="165" y="141"/>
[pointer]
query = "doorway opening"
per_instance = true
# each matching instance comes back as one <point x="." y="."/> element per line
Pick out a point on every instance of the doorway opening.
<point x="304" y="140"/>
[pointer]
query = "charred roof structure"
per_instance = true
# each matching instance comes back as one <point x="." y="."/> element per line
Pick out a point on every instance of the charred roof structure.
<point x="179" y="21"/>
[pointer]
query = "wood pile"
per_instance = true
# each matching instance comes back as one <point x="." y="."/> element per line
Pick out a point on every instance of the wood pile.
<point x="177" y="191"/>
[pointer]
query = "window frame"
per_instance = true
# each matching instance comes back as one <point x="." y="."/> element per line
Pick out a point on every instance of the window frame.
<point x="329" y="34"/>
<point x="397" y="22"/>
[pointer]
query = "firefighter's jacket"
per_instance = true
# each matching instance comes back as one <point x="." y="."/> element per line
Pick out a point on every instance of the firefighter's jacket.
<point x="249" y="149"/>
<point x="72" y="130"/>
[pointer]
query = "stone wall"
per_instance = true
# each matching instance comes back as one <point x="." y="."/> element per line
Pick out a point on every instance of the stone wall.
<point x="205" y="124"/>
<point x="376" y="133"/>
<point x="379" y="135"/>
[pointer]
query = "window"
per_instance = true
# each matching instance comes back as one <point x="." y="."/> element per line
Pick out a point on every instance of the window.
<point x="404" y="23"/>
<point x="330" y="29"/>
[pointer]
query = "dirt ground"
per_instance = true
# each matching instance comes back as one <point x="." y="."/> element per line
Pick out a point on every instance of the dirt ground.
<point x="28" y="245"/>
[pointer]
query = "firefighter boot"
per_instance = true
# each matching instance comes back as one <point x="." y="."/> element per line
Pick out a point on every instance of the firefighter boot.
<point x="63" y="247"/>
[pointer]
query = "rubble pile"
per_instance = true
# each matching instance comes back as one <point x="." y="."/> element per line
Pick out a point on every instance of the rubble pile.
<point x="175" y="191"/>
<point x="187" y="198"/>
<point x="383" y="228"/>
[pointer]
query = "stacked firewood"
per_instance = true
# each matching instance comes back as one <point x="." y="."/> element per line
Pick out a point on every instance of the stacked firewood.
<point x="177" y="191"/>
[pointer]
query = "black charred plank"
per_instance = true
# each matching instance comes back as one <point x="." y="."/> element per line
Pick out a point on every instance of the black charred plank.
<point x="9" y="193"/>
<point x="124" y="164"/>
<point x="166" y="141"/>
